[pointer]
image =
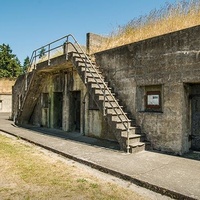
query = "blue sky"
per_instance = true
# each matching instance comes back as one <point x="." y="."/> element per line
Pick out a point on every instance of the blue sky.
<point x="29" y="24"/>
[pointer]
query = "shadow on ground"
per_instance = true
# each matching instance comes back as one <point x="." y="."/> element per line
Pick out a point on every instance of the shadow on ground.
<point x="195" y="155"/>
<point x="75" y="136"/>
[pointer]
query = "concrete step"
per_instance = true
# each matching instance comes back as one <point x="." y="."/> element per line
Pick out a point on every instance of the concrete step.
<point x="108" y="98"/>
<point x="115" y="117"/>
<point x="93" y="75"/>
<point x="80" y="59"/>
<point x="132" y="130"/>
<point x="90" y="70"/>
<point x="121" y="125"/>
<point x="92" y="80"/>
<point x="75" y="54"/>
<point x="137" y="147"/>
<point x="114" y="111"/>
<point x="134" y="138"/>
<point x="95" y="85"/>
<point x="81" y="62"/>
<point x="110" y="104"/>
<point x="102" y="92"/>
<point x="88" y="65"/>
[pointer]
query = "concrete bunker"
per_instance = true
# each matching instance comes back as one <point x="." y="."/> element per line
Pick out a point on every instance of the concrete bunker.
<point x="156" y="80"/>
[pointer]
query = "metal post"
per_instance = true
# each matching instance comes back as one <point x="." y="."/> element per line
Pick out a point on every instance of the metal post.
<point x="104" y="100"/>
<point x="85" y="78"/>
<point x="49" y="61"/>
<point x="35" y="60"/>
<point x="128" y="141"/>
<point x="66" y="44"/>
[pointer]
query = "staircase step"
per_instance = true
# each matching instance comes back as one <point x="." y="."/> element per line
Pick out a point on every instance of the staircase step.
<point x="75" y="54"/>
<point x="132" y="130"/>
<point x="119" y="118"/>
<point x="122" y="125"/>
<point x="108" y="98"/>
<point x="93" y="75"/>
<point x="90" y="70"/>
<point x="92" y="80"/>
<point x="133" y="138"/>
<point x="81" y="59"/>
<point x="101" y="91"/>
<point x="82" y="62"/>
<point x="101" y="85"/>
<point x="137" y="147"/>
<point x="88" y="65"/>
<point x="110" y="104"/>
<point x="114" y="111"/>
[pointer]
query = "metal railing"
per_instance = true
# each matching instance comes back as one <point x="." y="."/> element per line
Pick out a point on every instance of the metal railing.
<point x="66" y="42"/>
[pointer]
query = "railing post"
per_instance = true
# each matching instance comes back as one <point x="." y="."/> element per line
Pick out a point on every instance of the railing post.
<point x="85" y="78"/>
<point x="35" y="60"/>
<point x="104" y="100"/>
<point x="66" y="44"/>
<point x="128" y="139"/>
<point x="49" y="61"/>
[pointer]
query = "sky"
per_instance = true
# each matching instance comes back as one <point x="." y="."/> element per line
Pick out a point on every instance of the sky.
<point x="29" y="24"/>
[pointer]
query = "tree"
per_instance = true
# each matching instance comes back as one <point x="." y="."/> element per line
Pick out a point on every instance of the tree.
<point x="9" y="63"/>
<point x="26" y="64"/>
<point x="42" y="52"/>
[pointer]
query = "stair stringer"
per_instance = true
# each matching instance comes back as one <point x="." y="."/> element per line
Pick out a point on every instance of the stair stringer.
<point x="30" y="98"/>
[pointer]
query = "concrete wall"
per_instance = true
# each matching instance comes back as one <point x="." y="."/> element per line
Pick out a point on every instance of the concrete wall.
<point x="93" y="42"/>
<point x="170" y="62"/>
<point x="6" y="94"/>
<point x="67" y="82"/>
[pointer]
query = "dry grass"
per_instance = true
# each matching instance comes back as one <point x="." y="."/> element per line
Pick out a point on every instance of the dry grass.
<point x="27" y="173"/>
<point x="169" y="18"/>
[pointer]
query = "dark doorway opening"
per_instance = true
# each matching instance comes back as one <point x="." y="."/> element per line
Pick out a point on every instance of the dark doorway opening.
<point x="75" y="110"/>
<point x="57" y="110"/>
<point x="195" y="117"/>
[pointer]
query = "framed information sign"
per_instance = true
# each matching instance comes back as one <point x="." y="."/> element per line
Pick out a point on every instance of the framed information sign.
<point x="153" y="100"/>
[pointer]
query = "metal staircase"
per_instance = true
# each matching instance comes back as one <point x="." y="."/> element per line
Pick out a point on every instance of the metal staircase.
<point x="128" y="136"/>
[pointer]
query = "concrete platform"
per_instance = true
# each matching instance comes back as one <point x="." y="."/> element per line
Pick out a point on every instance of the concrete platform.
<point x="173" y="176"/>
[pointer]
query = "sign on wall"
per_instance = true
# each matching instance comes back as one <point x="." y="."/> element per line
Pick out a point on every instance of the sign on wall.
<point x="153" y="100"/>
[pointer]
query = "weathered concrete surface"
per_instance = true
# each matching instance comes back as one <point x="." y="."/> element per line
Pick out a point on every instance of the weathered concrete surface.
<point x="170" y="175"/>
<point x="6" y="94"/>
<point x="59" y="78"/>
<point x="93" y="42"/>
<point x="6" y="85"/>
<point x="169" y="61"/>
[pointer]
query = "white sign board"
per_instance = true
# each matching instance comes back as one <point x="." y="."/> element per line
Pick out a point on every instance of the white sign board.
<point x="153" y="100"/>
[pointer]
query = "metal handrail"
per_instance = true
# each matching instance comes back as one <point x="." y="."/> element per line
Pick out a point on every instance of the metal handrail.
<point x="108" y="90"/>
<point x="85" y="58"/>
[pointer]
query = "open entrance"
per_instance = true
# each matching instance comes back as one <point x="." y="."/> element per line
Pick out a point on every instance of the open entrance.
<point x="75" y="110"/>
<point x="57" y="110"/>
<point x="195" y="117"/>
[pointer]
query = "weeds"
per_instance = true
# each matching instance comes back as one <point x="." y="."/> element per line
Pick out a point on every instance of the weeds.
<point x="169" y="18"/>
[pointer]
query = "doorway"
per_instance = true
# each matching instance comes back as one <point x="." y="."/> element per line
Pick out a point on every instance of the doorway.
<point x="57" y="109"/>
<point x="75" y="110"/>
<point x="195" y="118"/>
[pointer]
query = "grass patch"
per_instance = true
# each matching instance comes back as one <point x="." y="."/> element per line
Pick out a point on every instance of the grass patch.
<point x="27" y="173"/>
